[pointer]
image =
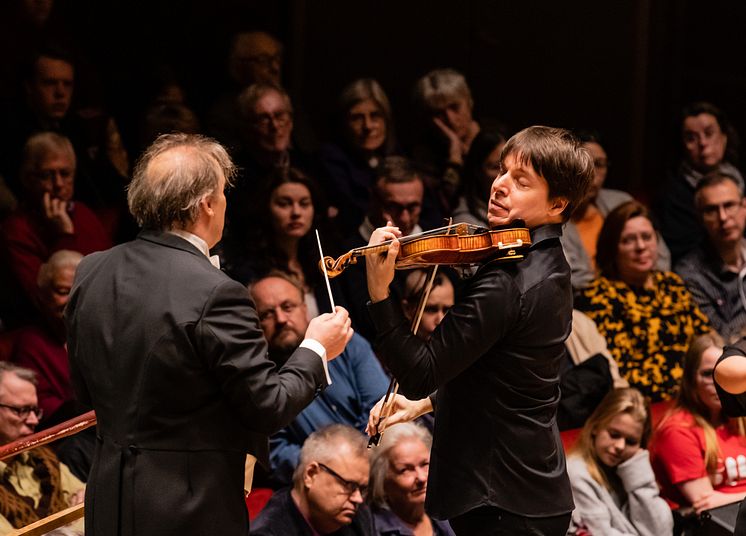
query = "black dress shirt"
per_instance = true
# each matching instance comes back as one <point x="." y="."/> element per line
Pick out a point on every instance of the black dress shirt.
<point x="495" y="359"/>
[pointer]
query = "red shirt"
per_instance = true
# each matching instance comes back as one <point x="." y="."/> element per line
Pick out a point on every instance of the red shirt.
<point x="677" y="454"/>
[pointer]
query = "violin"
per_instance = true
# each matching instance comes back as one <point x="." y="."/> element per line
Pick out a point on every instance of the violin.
<point x="458" y="244"/>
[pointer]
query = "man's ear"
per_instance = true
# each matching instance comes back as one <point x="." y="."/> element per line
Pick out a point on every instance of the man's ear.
<point x="557" y="206"/>
<point x="207" y="204"/>
<point x="309" y="473"/>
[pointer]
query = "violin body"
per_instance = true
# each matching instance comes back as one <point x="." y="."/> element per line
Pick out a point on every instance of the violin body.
<point x="459" y="245"/>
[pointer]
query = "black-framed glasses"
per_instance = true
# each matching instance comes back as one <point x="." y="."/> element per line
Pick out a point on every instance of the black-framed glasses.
<point x="349" y="487"/>
<point x="24" y="411"/>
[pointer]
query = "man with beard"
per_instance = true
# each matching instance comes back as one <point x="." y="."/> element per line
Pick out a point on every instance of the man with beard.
<point x="358" y="380"/>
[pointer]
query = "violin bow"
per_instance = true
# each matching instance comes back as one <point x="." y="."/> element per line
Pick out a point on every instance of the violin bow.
<point x="388" y="401"/>
<point x="326" y="274"/>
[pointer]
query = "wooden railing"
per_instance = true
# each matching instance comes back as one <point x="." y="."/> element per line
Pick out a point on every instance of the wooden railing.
<point x="65" y="429"/>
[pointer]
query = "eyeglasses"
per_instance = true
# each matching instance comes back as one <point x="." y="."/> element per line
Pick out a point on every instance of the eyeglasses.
<point x="23" y="412"/>
<point x="712" y="212"/>
<point x="280" y="118"/>
<point x="349" y="487"/>
<point x="286" y="307"/>
<point x="394" y="208"/>
<point x="265" y="60"/>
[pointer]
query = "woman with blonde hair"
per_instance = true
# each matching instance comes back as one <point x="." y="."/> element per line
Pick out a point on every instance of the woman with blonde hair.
<point x="699" y="455"/>
<point x="613" y="484"/>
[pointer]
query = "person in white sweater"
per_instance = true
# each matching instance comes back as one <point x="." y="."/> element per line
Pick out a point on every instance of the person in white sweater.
<point x="613" y="484"/>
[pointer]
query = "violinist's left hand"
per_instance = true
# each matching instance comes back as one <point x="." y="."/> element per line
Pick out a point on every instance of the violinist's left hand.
<point x="380" y="268"/>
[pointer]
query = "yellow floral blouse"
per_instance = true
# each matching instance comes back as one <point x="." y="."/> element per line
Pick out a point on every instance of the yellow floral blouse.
<point x="648" y="331"/>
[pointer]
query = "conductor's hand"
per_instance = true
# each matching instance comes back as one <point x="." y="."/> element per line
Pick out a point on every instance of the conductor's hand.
<point x="332" y="330"/>
<point x="380" y="268"/>
<point x="403" y="410"/>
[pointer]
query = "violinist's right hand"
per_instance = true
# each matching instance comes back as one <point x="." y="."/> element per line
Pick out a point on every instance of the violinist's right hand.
<point x="404" y="410"/>
<point x="380" y="268"/>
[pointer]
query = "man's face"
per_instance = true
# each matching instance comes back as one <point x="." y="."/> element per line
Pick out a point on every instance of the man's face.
<point x="54" y="175"/>
<point x="332" y="505"/>
<point x="704" y="141"/>
<point x="256" y="57"/>
<point x="401" y="203"/>
<point x="271" y="123"/>
<point x="54" y="296"/>
<point x="456" y="114"/>
<point x="723" y="212"/>
<point x="282" y="313"/>
<point x="521" y="193"/>
<point x="19" y="394"/>
<point x="51" y="88"/>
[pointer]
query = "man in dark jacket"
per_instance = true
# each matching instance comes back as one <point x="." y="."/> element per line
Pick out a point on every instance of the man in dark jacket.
<point x="168" y="351"/>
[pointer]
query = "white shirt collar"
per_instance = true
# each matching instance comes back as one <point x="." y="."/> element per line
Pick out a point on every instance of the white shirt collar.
<point x="197" y="242"/>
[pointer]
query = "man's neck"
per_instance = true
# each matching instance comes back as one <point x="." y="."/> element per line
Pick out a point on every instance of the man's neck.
<point x="318" y="526"/>
<point x="732" y="255"/>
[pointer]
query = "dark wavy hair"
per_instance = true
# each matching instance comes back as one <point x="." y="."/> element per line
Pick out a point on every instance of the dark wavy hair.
<point x="607" y="246"/>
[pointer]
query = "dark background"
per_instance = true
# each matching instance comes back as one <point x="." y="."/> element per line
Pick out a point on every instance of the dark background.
<point x="624" y="68"/>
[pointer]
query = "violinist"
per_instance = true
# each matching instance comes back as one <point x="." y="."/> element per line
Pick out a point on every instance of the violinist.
<point x="497" y="465"/>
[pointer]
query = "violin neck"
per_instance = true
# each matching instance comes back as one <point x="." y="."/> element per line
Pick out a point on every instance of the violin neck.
<point x="371" y="250"/>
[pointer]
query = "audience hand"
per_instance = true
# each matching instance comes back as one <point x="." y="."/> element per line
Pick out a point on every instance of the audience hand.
<point x="55" y="210"/>
<point x="380" y="268"/>
<point x="332" y="330"/>
<point x="77" y="497"/>
<point x="403" y="410"/>
<point x="714" y="499"/>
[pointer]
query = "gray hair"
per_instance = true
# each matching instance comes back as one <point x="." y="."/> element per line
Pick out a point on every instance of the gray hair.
<point x="440" y="86"/>
<point x="172" y="176"/>
<point x="39" y="146"/>
<point x="379" y="461"/>
<point x="323" y="446"/>
<point x="251" y="95"/>
<point x="63" y="258"/>
<point x="22" y="372"/>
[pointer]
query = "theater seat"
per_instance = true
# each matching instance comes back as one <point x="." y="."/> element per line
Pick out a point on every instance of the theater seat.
<point x="256" y="501"/>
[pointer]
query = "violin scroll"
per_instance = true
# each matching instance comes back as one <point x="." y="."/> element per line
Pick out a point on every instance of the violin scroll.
<point x="334" y="267"/>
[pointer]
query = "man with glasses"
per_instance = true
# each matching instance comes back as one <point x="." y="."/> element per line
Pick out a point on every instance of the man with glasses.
<point x="714" y="272"/>
<point x="35" y="484"/>
<point x="329" y="489"/>
<point x="49" y="219"/>
<point x="358" y="380"/>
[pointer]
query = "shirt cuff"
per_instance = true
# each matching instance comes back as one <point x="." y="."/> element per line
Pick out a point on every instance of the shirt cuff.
<point x="318" y="348"/>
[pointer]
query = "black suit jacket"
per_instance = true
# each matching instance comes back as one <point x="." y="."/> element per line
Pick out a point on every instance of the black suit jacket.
<point x="496" y="359"/>
<point x="168" y="351"/>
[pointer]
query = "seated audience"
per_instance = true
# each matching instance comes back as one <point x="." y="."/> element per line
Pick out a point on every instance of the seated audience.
<point x="49" y="219"/>
<point x="713" y="271"/>
<point x="254" y="57"/>
<point x="698" y="452"/>
<point x="357" y="379"/>
<point x="397" y="196"/>
<point x="444" y="100"/>
<point x="266" y="146"/>
<point x="481" y="167"/>
<point x="366" y="137"/>
<point x="647" y="317"/>
<point x="613" y="484"/>
<point x="441" y="298"/>
<point x="580" y="233"/>
<point x="399" y="468"/>
<point x="281" y="237"/>
<point x="35" y="483"/>
<point x="328" y="492"/>
<point x="709" y="143"/>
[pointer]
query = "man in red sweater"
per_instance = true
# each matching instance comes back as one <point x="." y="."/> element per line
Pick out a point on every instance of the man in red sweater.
<point x="48" y="220"/>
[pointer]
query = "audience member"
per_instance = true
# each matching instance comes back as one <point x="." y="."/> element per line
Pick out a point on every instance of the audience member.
<point x="697" y="451"/>
<point x="254" y="57"/>
<point x="35" y="483"/>
<point x="397" y="197"/>
<point x="613" y="484"/>
<point x="714" y="272"/>
<point x="710" y="143"/>
<point x="441" y="298"/>
<point x="358" y="380"/>
<point x="648" y="317"/>
<point x="329" y="489"/>
<point x="366" y="137"/>
<point x="165" y="118"/>
<point x="580" y="234"/>
<point x="444" y="99"/>
<point x="280" y="237"/>
<point x="481" y="166"/>
<point x="399" y="467"/>
<point x="49" y="219"/>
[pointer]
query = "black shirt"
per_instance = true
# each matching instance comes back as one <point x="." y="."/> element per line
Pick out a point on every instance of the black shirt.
<point x="495" y="359"/>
